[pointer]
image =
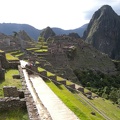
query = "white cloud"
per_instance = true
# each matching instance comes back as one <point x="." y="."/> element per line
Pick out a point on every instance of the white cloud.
<point x="54" y="13"/>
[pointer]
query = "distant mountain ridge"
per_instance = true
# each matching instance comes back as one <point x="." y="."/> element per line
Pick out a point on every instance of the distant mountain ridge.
<point x="79" y="30"/>
<point x="8" y="28"/>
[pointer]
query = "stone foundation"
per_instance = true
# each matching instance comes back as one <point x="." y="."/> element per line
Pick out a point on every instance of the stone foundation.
<point x="12" y="103"/>
<point x="11" y="100"/>
<point x="10" y="91"/>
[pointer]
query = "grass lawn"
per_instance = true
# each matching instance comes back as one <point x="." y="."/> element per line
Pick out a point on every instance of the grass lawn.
<point x="81" y="109"/>
<point x="18" y="114"/>
<point x="10" y="57"/>
<point x="32" y="48"/>
<point x="9" y="81"/>
<point x="14" y="115"/>
<point x="1" y="51"/>
<point x="107" y="107"/>
<point x="41" y="69"/>
<point x="41" y="50"/>
<point x="19" y="54"/>
<point x="50" y="74"/>
<point x="44" y="47"/>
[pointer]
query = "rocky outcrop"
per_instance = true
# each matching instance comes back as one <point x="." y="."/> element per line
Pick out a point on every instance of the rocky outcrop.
<point x="15" y="41"/>
<point x="103" y="32"/>
<point x="74" y="35"/>
<point x="47" y="32"/>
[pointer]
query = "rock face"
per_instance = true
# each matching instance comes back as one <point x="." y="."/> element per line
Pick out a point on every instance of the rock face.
<point x="103" y="32"/>
<point x="47" y="32"/>
<point x="74" y="35"/>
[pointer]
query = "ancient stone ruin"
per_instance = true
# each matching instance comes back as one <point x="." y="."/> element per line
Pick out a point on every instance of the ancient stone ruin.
<point x="12" y="99"/>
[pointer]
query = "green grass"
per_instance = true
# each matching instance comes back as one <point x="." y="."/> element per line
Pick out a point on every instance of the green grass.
<point x="86" y="90"/>
<point x="1" y="51"/>
<point x="68" y="82"/>
<point x="107" y="107"/>
<point x="41" y="69"/>
<point x="9" y="81"/>
<point x="14" y="52"/>
<point x="20" y="54"/>
<point x="10" y="57"/>
<point x="50" y="74"/>
<point x="18" y="114"/>
<point x="32" y="48"/>
<point x="44" y="47"/>
<point x="59" y="78"/>
<point x="82" y="110"/>
<point x="41" y="50"/>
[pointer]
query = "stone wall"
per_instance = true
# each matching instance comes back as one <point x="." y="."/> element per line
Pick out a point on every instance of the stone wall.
<point x="10" y="103"/>
<point x="30" y="103"/>
<point x="13" y="64"/>
<point x="11" y="99"/>
<point x="10" y="91"/>
<point x="4" y="62"/>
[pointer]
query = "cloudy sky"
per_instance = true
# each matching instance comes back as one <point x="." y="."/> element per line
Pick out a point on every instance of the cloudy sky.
<point x="65" y="14"/>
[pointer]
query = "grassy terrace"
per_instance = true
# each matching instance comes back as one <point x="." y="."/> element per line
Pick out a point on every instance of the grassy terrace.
<point x="41" y="50"/>
<point x="9" y="81"/>
<point x="107" y="107"/>
<point x="81" y="109"/>
<point x="1" y="51"/>
<point x="32" y="49"/>
<point x="10" y="57"/>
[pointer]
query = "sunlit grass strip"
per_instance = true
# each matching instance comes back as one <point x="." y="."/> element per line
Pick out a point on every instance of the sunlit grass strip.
<point x="68" y="82"/>
<point x="10" y="57"/>
<point x="1" y="51"/>
<point x="20" y="54"/>
<point x="13" y="52"/>
<point x="73" y="103"/>
<point x="32" y="48"/>
<point x="44" y="47"/>
<point x="59" y="78"/>
<point x="50" y="74"/>
<point x="86" y="90"/>
<point x="41" y="69"/>
<point x="41" y="50"/>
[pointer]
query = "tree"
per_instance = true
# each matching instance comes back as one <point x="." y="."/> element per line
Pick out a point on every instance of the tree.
<point x="113" y="95"/>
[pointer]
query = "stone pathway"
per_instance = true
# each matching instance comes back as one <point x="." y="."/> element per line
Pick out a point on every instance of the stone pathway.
<point x="44" y="96"/>
<point x="54" y="105"/>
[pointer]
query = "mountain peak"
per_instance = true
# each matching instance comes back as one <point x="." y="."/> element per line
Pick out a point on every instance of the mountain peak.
<point x="106" y="8"/>
<point x="105" y="11"/>
<point x="47" y="32"/>
<point x="103" y="31"/>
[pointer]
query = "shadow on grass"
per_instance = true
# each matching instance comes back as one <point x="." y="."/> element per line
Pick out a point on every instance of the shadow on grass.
<point x="60" y="87"/>
<point x="16" y="114"/>
<point x="2" y="80"/>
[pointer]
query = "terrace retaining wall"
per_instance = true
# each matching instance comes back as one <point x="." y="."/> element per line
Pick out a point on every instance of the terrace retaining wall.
<point x="12" y="99"/>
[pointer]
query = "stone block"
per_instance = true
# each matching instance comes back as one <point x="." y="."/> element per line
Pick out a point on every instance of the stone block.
<point x="72" y="86"/>
<point x="63" y="82"/>
<point x="53" y="77"/>
<point x="81" y="89"/>
<point x="43" y="73"/>
<point x="10" y="91"/>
